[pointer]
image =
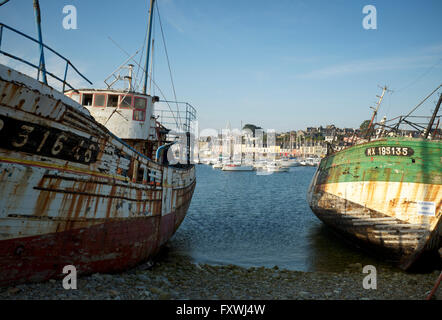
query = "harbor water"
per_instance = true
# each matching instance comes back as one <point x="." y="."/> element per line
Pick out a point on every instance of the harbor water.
<point x="251" y="220"/>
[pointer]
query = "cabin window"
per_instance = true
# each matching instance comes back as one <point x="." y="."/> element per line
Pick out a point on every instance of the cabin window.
<point x="112" y="100"/>
<point x="140" y="103"/>
<point x="140" y="109"/>
<point x="139" y="115"/>
<point x="76" y="97"/>
<point x="140" y="175"/>
<point x="87" y="99"/>
<point x="99" y="100"/>
<point x="126" y="101"/>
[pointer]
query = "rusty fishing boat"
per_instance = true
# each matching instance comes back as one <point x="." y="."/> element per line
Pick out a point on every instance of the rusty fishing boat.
<point x="84" y="175"/>
<point x="384" y="192"/>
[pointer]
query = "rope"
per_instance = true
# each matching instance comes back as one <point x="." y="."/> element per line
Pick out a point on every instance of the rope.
<point x="436" y="285"/>
<point x="414" y="109"/>
<point x="421" y="76"/>
<point x="167" y="57"/>
<point x="138" y="82"/>
<point x="155" y="84"/>
<point x="161" y="92"/>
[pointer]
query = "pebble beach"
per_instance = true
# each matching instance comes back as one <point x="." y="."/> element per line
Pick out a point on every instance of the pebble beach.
<point x="177" y="278"/>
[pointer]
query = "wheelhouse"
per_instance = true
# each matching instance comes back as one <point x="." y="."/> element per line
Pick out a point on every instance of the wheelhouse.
<point x="138" y="103"/>
<point x="129" y="115"/>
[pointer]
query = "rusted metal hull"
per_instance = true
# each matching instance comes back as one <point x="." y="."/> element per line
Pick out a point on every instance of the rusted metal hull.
<point x="108" y="247"/>
<point x="73" y="193"/>
<point x="388" y="203"/>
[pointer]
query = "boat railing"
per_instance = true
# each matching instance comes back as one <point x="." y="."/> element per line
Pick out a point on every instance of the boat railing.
<point x="411" y="126"/>
<point x="41" y="67"/>
<point x="400" y="126"/>
<point x="179" y="117"/>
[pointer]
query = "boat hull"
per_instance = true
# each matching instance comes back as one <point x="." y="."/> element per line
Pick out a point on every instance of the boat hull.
<point x="72" y="193"/>
<point x="388" y="203"/>
<point x="278" y="169"/>
<point x="236" y="168"/>
<point x="106" y="247"/>
<point x="289" y="164"/>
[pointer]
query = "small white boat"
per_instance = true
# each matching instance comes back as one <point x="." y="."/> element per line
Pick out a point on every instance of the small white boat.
<point x="312" y="161"/>
<point x="236" y="167"/>
<point x="289" y="163"/>
<point x="217" y="165"/>
<point x="259" y="165"/>
<point x="276" y="167"/>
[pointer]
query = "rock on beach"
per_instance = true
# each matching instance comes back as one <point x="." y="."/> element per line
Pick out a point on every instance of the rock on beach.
<point x="176" y="277"/>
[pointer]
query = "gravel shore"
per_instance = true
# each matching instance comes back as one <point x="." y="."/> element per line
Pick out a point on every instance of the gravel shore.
<point x="176" y="277"/>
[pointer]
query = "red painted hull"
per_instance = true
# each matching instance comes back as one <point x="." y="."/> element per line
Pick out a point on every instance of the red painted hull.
<point x="73" y="193"/>
<point x="109" y="247"/>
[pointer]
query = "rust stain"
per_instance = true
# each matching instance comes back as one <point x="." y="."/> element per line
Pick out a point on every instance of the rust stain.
<point x="12" y="93"/>
<point x="70" y="209"/>
<point x="55" y="107"/>
<point x="79" y="206"/>
<point x="45" y="197"/>
<point x="385" y="192"/>
<point x="109" y="201"/>
<point x="20" y="103"/>
<point x="96" y="206"/>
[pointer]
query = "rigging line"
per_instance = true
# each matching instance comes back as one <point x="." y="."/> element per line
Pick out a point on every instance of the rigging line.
<point x="414" y="109"/>
<point x="421" y="76"/>
<point x="142" y="68"/>
<point x="130" y="57"/>
<point x="167" y="57"/>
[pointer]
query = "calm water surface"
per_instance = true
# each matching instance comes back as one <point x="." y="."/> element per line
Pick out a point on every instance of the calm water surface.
<point x="250" y="220"/>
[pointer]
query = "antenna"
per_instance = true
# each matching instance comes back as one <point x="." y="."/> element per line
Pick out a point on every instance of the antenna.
<point x="117" y="76"/>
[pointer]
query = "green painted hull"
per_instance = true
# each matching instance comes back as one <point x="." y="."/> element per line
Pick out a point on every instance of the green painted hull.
<point x="353" y="164"/>
<point x="386" y="194"/>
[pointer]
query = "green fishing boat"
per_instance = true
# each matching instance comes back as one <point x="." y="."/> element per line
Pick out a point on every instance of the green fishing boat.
<point x="384" y="193"/>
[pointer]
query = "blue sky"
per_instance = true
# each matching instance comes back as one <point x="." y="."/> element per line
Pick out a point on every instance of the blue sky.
<point x="281" y="64"/>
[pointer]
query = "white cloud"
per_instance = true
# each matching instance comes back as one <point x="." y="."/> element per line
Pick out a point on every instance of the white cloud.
<point x="433" y="49"/>
<point x="370" y="65"/>
<point x="173" y="16"/>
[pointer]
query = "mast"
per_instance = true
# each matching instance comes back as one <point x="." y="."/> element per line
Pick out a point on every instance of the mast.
<point x="241" y="142"/>
<point x="384" y="89"/>
<point x="42" y="67"/>
<point x="146" y="67"/>
<point x="430" y="124"/>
